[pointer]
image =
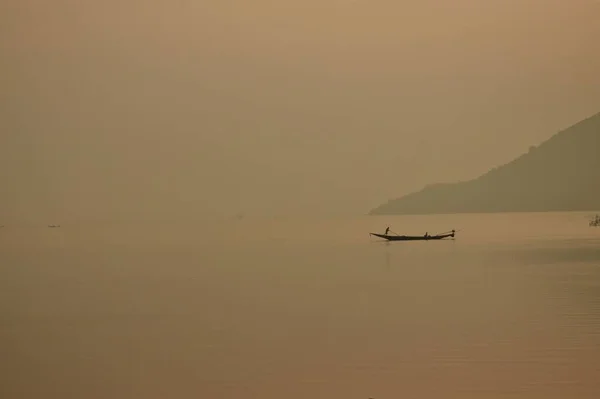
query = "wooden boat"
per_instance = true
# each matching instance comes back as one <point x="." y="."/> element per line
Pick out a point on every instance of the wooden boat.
<point x="425" y="237"/>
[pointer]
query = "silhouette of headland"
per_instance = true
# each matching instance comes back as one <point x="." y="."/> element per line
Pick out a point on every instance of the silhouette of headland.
<point x="561" y="174"/>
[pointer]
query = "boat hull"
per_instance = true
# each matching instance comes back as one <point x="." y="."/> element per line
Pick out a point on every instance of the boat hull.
<point x="413" y="238"/>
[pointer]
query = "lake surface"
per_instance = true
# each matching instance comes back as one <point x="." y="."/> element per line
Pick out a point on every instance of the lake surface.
<point x="303" y="309"/>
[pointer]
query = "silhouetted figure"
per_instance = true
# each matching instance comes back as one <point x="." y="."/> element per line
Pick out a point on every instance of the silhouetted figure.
<point x="387" y="229"/>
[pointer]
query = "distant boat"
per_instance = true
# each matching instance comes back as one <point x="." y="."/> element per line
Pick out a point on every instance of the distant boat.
<point x="425" y="237"/>
<point x="595" y="222"/>
<point x="52" y="226"/>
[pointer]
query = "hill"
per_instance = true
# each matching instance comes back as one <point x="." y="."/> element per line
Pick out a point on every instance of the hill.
<point x="561" y="174"/>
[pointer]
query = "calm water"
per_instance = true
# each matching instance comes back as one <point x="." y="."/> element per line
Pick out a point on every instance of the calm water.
<point x="303" y="309"/>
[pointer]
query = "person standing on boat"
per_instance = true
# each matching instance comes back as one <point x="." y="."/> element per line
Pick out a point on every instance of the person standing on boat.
<point x="387" y="230"/>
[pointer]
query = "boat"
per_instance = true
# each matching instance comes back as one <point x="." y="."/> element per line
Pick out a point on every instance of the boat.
<point x="595" y="222"/>
<point x="425" y="237"/>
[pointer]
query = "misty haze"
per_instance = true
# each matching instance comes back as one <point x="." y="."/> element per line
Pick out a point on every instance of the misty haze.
<point x="188" y="190"/>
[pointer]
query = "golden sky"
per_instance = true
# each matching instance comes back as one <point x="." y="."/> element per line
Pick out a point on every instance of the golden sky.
<point x="277" y="107"/>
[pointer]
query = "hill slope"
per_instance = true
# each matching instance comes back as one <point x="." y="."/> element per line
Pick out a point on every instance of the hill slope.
<point x="562" y="174"/>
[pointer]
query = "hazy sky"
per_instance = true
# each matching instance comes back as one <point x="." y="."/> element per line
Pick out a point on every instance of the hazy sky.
<point x="276" y="107"/>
